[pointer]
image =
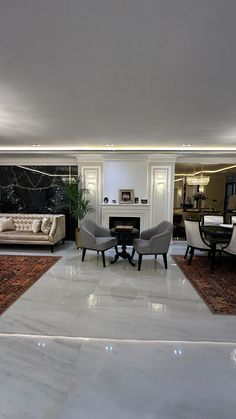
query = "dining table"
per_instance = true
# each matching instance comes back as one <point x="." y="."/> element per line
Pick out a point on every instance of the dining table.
<point x="216" y="235"/>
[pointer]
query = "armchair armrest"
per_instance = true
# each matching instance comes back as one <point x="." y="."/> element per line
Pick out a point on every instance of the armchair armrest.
<point x="160" y="243"/>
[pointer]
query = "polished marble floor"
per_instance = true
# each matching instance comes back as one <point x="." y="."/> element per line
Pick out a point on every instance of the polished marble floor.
<point x="86" y="342"/>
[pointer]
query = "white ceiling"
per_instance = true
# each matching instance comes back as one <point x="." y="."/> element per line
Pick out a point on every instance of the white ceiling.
<point x="80" y="74"/>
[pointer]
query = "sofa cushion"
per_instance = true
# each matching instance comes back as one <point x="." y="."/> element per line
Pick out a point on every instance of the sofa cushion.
<point x="6" y="224"/>
<point x="36" y="226"/>
<point x="27" y="236"/>
<point x="46" y="225"/>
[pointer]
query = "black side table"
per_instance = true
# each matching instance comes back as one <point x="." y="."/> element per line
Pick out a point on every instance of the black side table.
<point x="124" y="237"/>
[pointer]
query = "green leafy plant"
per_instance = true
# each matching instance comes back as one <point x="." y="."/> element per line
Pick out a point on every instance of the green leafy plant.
<point x="77" y="193"/>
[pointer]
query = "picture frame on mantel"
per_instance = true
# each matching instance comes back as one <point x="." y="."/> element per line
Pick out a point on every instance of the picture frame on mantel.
<point x="126" y="196"/>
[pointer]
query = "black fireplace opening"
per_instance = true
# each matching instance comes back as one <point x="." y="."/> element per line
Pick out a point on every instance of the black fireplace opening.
<point x="127" y="221"/>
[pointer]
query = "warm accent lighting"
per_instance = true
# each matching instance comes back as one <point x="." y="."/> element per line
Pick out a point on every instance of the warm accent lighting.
<point x="198" y="180"/>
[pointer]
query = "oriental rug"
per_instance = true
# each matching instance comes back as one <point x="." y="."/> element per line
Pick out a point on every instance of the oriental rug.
<point x="18" y="273"/>
<point x="217" y="288"/>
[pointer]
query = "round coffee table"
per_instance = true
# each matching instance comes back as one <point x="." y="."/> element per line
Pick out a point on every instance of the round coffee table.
<point x="124" y="237"/>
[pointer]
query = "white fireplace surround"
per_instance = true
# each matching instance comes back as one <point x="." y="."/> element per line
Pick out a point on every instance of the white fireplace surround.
<point x="126" y="210"/>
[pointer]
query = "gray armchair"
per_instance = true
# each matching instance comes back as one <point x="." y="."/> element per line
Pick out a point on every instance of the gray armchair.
<point x="95" y="237"/>
<point x="154" y="241"/>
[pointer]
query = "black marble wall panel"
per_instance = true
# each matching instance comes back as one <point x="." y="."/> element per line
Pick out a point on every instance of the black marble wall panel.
<point x="36" y="189"/>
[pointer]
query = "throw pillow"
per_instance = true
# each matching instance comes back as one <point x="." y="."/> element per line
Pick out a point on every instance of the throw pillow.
<point x="46" y="225"/>
<point x="36" y="226"/>
<point x="6" y="224"/>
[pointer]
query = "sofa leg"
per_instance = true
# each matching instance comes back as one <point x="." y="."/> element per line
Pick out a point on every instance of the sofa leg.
<point x="52" y="249"/>
<point x="139" y="262"/>
<point x="165" y="260"/>
<point x="83" y="253"/>
<point x="103" y="259"/>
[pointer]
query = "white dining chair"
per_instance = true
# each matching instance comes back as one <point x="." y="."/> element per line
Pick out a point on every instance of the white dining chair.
<point x="194" y="239"/>
<point x="209" y="219"/>
<point x="233" y="219"/>
<point x="230" y="248"/>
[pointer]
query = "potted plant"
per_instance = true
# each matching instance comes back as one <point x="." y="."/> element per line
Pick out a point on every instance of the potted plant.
<point x="77" y="194"/>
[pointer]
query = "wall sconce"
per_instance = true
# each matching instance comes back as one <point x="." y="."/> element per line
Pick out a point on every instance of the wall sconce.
<point x="179" y="192"/>
<point x="160" y="182"/>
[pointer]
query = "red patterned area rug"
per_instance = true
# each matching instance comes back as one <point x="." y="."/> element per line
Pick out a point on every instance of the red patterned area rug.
<point x="217" y="288"/>
<point x="18" y="273"/>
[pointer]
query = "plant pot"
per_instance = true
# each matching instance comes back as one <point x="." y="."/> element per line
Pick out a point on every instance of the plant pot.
<point x="78" y="238"/>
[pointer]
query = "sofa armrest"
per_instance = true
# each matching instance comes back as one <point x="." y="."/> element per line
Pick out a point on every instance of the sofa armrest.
<point x="58" y="230"/>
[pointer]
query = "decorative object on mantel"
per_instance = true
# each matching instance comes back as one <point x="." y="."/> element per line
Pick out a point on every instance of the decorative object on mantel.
<point x="105" y="200"/>
<point x="126" y="196"/>
<point x="114" y="201"/>
<point x="144" y="201"/>
<point x="136" y="200"/>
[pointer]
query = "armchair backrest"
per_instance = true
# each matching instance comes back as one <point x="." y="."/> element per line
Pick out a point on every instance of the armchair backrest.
<point x="160" y="242"/>
<point x="90" y="225"/>
<point x="164" y="227"/>
<point x="87" y="232"/>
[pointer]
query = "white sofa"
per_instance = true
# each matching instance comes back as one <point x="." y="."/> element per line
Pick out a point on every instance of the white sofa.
<point x="23" y="234"/>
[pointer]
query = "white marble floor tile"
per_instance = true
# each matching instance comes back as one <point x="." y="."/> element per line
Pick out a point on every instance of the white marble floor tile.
<point x="157" y="366"/>
<point x="153" y="380"/>
<point x="35" y="376"/>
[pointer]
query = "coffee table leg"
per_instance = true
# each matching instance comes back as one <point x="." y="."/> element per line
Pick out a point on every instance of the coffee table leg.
<point x="115" y="258"/>
<point x="124" y="255"/>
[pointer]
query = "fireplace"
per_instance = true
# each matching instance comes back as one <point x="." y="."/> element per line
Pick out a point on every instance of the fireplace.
<point x="126" y="212"/>
<point x="127" y="221"/>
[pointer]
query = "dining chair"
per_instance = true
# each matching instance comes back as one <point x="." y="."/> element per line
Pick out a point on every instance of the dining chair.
<point x="230" y="248"/>
<point x="233" y="219"/>
<point x="96" y="237"/>
<point x="210" y="219"/>
<point x="154" y="241"/>
<point x="194" y="239"/>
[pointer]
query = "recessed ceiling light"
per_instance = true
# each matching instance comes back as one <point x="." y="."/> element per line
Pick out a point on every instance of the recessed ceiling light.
<point x="109" y="145"/>
<point x="36" y="145"/>
<point x="186" y="145"/>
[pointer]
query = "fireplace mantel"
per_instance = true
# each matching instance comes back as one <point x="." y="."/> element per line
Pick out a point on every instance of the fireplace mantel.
<point x="126" y="210"/>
